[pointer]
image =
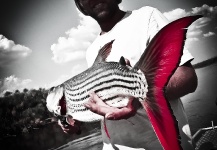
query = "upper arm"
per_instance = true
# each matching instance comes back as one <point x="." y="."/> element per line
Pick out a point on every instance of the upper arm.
<point x="186" y="76"/>
<point x="182" y="82"/>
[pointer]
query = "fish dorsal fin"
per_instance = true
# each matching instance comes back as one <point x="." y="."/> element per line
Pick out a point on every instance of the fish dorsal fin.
<point x="122" y="61"/>
<point x="159" y="61"/>
<point x="103" y="53"/>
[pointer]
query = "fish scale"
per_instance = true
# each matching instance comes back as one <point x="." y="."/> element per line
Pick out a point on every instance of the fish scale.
<point x="112" y="82"/>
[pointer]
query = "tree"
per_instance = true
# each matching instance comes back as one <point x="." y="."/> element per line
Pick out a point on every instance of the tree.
<point x="7" y="93"/>
<point x="25" y="90"/>
<point x="17" y="92"/>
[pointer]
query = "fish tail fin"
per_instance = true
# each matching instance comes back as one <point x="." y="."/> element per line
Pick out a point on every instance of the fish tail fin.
<point x="158" y="63"/>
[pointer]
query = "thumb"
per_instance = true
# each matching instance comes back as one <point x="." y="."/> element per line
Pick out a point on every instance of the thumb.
<point x="130" y="103"/>
<point x="94" y="98"/>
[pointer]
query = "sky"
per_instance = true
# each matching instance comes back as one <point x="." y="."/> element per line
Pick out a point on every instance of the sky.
<point x="43" y="42"/>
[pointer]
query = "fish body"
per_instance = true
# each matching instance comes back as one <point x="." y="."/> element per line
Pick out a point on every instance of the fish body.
<point x="115" y="82"/>
<point x="112" y="82"/>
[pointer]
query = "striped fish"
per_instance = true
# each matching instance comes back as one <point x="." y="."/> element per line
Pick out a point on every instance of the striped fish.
<point x="115" y="82"/>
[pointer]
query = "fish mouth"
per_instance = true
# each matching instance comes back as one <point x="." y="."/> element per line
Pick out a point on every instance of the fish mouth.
<point x="56" y="101"/>
<point x="62" y="104"/>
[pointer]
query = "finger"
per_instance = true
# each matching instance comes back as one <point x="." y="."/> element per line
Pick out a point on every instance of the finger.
<point x="130" y="103"/>
<point x="95" y="99"/>
<point x="75" y="129"/>
<point x="101" y="110"/>
<point x="121" y="113"/>
<point x="59" y="123"/>
<point x="63" y="126"/>
<point x="66" y="130"/>
<point x="71" y="130"/>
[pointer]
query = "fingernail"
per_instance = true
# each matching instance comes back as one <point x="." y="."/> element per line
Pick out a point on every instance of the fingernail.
<point x="110" y="116"/>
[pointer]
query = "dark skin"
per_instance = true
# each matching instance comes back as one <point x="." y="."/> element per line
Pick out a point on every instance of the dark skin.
<point x="108" y="14"/>
<point x="105" y="12"/>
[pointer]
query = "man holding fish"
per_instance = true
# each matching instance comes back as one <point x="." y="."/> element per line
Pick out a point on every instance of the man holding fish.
<point x="129" y="127"/>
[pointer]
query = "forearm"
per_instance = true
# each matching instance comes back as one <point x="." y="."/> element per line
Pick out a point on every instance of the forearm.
<point x="183" y="81"/>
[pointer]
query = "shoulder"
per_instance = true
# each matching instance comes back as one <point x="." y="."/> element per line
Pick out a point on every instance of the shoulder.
<point x="152" y="13"/>
<point x="145" y="9"/>
<point x="148" y="10"/>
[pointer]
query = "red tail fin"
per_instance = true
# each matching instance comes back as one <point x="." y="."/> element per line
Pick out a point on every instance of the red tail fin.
<point x="158" y="63"/>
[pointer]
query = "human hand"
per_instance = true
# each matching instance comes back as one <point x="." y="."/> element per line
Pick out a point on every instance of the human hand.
<point x="70" y="126"/>
<point x="96" y="105"/>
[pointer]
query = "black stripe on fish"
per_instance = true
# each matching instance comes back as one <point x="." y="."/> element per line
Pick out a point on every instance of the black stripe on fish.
<point x="129" y="87"/>
<point x="80" y="110"/>
<point x="92" y="78"/>
<point x="104" y="82"/>
<point x="115" y="86"/>
<point x="111" y="98"/>
<point x="78" y="100"/>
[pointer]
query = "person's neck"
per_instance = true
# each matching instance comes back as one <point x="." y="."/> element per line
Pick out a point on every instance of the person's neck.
<point x="110" y="23"/>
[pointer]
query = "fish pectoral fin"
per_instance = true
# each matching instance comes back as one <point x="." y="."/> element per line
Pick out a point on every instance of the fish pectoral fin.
<point x="104" y="53"/>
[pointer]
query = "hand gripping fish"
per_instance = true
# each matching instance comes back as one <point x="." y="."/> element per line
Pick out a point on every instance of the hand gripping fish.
<point x="115" y="82"/>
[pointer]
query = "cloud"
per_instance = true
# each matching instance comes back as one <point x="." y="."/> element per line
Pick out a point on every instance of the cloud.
<point x="73" y="47"/>
<point x="208" y="34"/>
<point x="206" y="11"/>
<point x="74" y="71"/>
<point x="13" y="83"/>
<point x="58" y="81"/>
<point x="78" y="69"/>
<point x="194" y="30"/>
<point x="10" y="52"/>
<point x="175" y="14"/>
<point x="192" y="39"/>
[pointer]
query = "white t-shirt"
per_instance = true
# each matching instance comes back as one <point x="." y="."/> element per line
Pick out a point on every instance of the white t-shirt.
<point x="131" y="35"/>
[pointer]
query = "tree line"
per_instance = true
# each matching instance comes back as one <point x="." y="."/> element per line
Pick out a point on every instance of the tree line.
<point x="23" y="111"/>
<point x="20" y="112"/>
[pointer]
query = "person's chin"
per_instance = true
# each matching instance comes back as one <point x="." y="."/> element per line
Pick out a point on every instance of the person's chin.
<point x="102" y="16"/>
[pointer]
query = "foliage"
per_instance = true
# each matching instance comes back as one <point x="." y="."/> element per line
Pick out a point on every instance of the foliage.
<point x="24" y="115"/>
<point x="20" y="112"/>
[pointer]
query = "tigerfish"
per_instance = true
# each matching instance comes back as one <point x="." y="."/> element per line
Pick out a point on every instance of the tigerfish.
<point x="115" y="82"/>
